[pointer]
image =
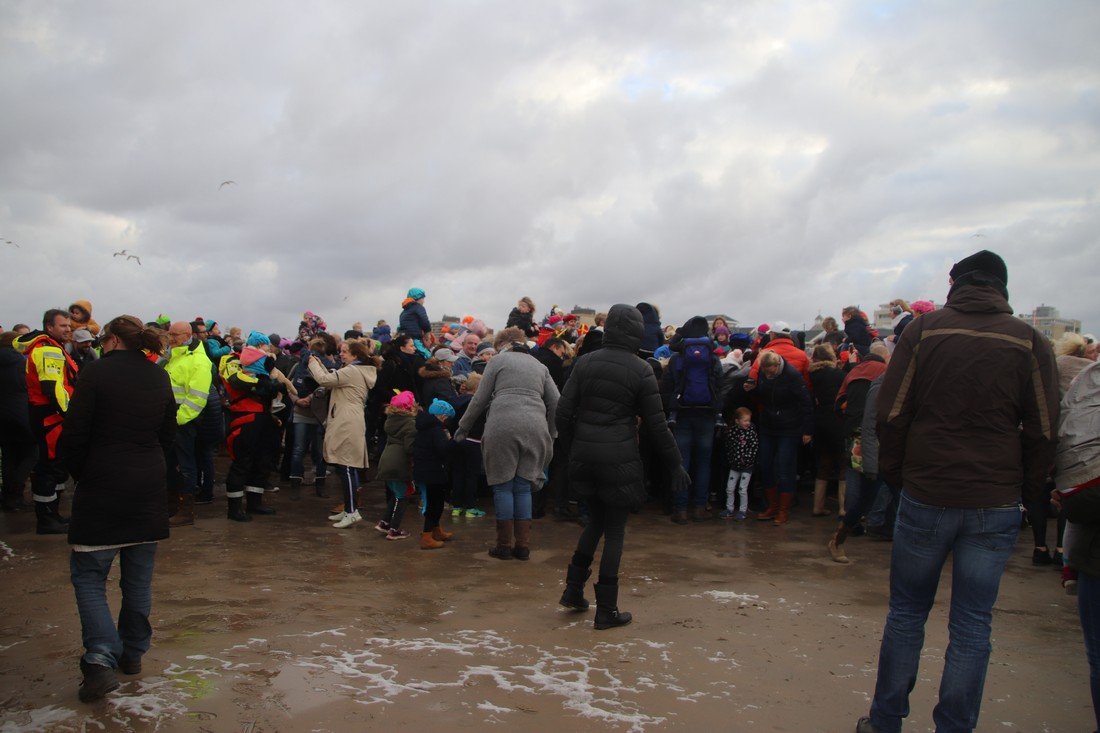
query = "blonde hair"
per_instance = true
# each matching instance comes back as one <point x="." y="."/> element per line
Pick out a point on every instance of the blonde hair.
<point x="770" y="358"/>
<point x="1071" y="344"/>
<point x="600" y="319"/>
<point x="507" y="337"/>
<point x="528" y="302"/>
<point x="473" y="379"/>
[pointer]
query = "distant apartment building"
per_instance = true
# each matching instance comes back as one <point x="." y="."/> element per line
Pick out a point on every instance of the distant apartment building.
<point x="1050" y="323"/>
<point x="584" y="315"/>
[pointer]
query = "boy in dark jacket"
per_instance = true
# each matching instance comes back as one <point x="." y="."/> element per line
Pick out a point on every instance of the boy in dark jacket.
<point x="431" y="454"/>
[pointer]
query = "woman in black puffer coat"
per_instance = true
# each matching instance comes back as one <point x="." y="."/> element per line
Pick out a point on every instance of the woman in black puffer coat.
<point x="119" y="426"/>
<point x="597" y="421"/>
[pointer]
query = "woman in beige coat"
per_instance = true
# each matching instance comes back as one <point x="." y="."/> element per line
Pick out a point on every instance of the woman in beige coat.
<point x="346" y="430"/>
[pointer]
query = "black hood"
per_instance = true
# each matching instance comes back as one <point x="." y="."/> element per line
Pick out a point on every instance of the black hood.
<point x="649" y="313"/>
<point x="624" y="329"/>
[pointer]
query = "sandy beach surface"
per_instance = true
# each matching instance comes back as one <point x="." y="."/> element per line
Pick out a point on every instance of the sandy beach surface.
<point x="286" y="624"/>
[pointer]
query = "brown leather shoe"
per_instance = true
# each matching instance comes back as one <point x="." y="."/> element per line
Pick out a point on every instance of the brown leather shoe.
<point x="186" y="514"/>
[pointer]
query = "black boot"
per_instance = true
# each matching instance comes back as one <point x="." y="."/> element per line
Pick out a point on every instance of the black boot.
<point x="236" y="510"/>
<point x="608" y="615"/>
<point x="295" y="488"/>
<point x="55" y="509"/>
<point x="255" y="503"/>
<point x="204" y="497"/>
<point x="48" y="521"/>
<point x="98" y="681"/>
<point x="573" y="596"/>
<point x="319" y="487"/>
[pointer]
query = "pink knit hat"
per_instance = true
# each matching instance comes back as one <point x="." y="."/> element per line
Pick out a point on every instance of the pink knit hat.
<point x="920" y="307"/>
<point x="404" y="400"/>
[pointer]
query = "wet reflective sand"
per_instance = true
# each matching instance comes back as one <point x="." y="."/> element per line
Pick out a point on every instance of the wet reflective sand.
<point x="286" y="624"/>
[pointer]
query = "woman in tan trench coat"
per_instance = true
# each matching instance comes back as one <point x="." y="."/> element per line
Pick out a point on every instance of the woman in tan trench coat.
<point x="346" y="430"/>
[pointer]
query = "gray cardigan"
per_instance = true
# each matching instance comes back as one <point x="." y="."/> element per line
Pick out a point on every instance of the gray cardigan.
<point x="520" y="431"/>
<point x="868" y="436"/>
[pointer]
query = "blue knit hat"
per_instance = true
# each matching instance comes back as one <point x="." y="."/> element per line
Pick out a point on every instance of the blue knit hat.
<point x="439" y="407"/>
<point x="416" y="293"/>
<point x="255" y="338"/>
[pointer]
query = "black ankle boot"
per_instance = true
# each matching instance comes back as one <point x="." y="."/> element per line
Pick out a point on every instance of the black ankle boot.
<point x="295" y="488"/>
<point x="255" y="503"/>
<point x="98" y="681"/>
<point x="236" y="510"/>
<point x="319" y="487"/>
<point x="573" y="596"/>
<point x="608" y="615"/>
<point x="48" y="521"/>
<point x="55" y="509"/>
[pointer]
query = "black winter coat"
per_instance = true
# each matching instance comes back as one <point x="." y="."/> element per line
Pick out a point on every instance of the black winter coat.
<point x="554" y="364"/>
<point x="120" y="423"/>
<point x="828" y="427"/>
<point x="414" y="320"/>
<point x="597" y="416"/>
<point x="431" y="451"/>
<point x="13" y="389"/>
<point x="523" y="321"/>
<point x="855" y="330"/>
<point x="785" y="403"/>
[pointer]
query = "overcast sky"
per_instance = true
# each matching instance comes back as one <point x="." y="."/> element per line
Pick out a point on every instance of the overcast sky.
<point x="769" y="160"/>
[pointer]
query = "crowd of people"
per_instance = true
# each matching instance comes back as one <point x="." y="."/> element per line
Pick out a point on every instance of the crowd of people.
<point x="955" y="409"/>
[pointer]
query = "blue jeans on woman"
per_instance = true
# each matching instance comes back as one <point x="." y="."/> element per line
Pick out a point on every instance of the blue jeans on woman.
<point x="778" y="458"/>
<point x="1088" y="606"/>
<point x="105" y="643"/>
<point x="512" y="499"/>
<point x="312" y="437"/>
<point x="980" y="542"/>
<point x="694" y="433"/>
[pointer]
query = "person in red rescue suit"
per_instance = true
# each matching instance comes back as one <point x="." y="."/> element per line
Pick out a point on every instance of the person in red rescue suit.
<point x="51" y="377"/>
<point x="254" y="432"/>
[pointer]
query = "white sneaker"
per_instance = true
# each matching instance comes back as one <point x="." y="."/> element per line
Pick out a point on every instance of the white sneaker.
<point x="348" y="520"/>
<point x="337" y="517"/>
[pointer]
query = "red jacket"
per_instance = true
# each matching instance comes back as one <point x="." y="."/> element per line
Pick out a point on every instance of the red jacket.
<point x="788" y="349"/>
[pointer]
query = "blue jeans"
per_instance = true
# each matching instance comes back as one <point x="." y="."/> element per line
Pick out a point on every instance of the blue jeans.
<point x="512" y="499"/>
<point x="859" y="496"/>
<point x="980" y="541"/>
<point x="186" y="436"/>
<point x="312" y="437"/>
<point x="695" y="438"/>
<point x="104" y="641"/>
<point x="778" y="458"/>
<point x="1088" y="606"/>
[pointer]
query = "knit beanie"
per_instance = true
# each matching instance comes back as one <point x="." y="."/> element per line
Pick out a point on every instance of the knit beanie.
<point x="210" y="323"/>
<point x="985" y="261"/>
<point x="920" y="307"/>
<point x="416" y="293"/>
<point x="439" y="407"/>
<point x="485" y="347"/>
<point x="404" y="400"/>
<point x="255" y="338"/>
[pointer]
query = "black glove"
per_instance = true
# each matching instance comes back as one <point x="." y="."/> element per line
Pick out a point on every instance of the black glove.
<point x="681" y="480"/>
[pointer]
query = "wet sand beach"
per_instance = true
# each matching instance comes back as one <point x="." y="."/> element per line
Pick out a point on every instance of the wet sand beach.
<point x="286" y="624"/>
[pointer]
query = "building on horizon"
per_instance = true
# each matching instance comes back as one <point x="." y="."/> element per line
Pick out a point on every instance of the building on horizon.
<point x="1047" y="321"/>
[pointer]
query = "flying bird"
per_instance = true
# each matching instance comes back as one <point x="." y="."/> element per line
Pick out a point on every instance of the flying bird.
<point x="346" y="297"/>
<point x="123" y="253"/>
<point x="227" y="183"/>
<point x="972" y="236"/>
<point x="133" y="257"/>
<point x="13" y="244"/>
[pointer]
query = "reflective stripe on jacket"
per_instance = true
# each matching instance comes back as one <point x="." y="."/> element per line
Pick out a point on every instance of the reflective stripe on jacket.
<point x="189" y="369"/>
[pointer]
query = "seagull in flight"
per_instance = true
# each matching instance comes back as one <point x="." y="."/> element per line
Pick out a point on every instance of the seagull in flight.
<point x="346" y="298"/>
<point x="13" y="244"/>
<point x="226" y="183"/>
<point x="972" y="236"/>
<point x="123" y="253"/>
<point x="133" y="257"/>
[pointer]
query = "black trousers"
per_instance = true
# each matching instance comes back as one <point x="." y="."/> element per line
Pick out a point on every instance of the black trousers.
<point x="20" y="452"/>
<point x="607" y="522"/>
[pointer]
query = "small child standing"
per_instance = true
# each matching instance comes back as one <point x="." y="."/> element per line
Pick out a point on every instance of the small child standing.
<point x="742" y="443"/>
<point x="394" y="466"/>
<point x="431" y="454"/>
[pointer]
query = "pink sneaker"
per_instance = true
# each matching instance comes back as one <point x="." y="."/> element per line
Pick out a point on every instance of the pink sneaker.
<point x="397" y="534"/>
<point x="382" y="526"/>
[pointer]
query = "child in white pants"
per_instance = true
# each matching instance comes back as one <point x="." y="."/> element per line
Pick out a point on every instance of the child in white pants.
<point x="742" y="443"/>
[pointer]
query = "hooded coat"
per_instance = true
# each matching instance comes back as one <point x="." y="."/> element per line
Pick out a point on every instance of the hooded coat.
<point x="346" y="427"/>
<point x="519" y="432"/>
<point x="597" y="416"/>
<point x="414" y="319"/>
<point x="653" y="336"/>
<point x="90" y="324"/>
<point x="397" y="455"/>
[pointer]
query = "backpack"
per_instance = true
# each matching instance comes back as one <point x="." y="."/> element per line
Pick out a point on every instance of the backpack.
<point x="694" y="379"/>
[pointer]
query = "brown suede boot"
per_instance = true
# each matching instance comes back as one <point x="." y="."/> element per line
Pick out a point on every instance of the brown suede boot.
<point x="772" y="496"/>
<point x="522" y="550"/>
<point x="186" y="513"/>
<point x="441" y="534"/>
<point x="427" y="542"/>
<point x="784" y="513"/>
<point x="503" y="548"/>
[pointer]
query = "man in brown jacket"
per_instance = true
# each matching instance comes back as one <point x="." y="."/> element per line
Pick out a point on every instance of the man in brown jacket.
<point x="967" y="419"/>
